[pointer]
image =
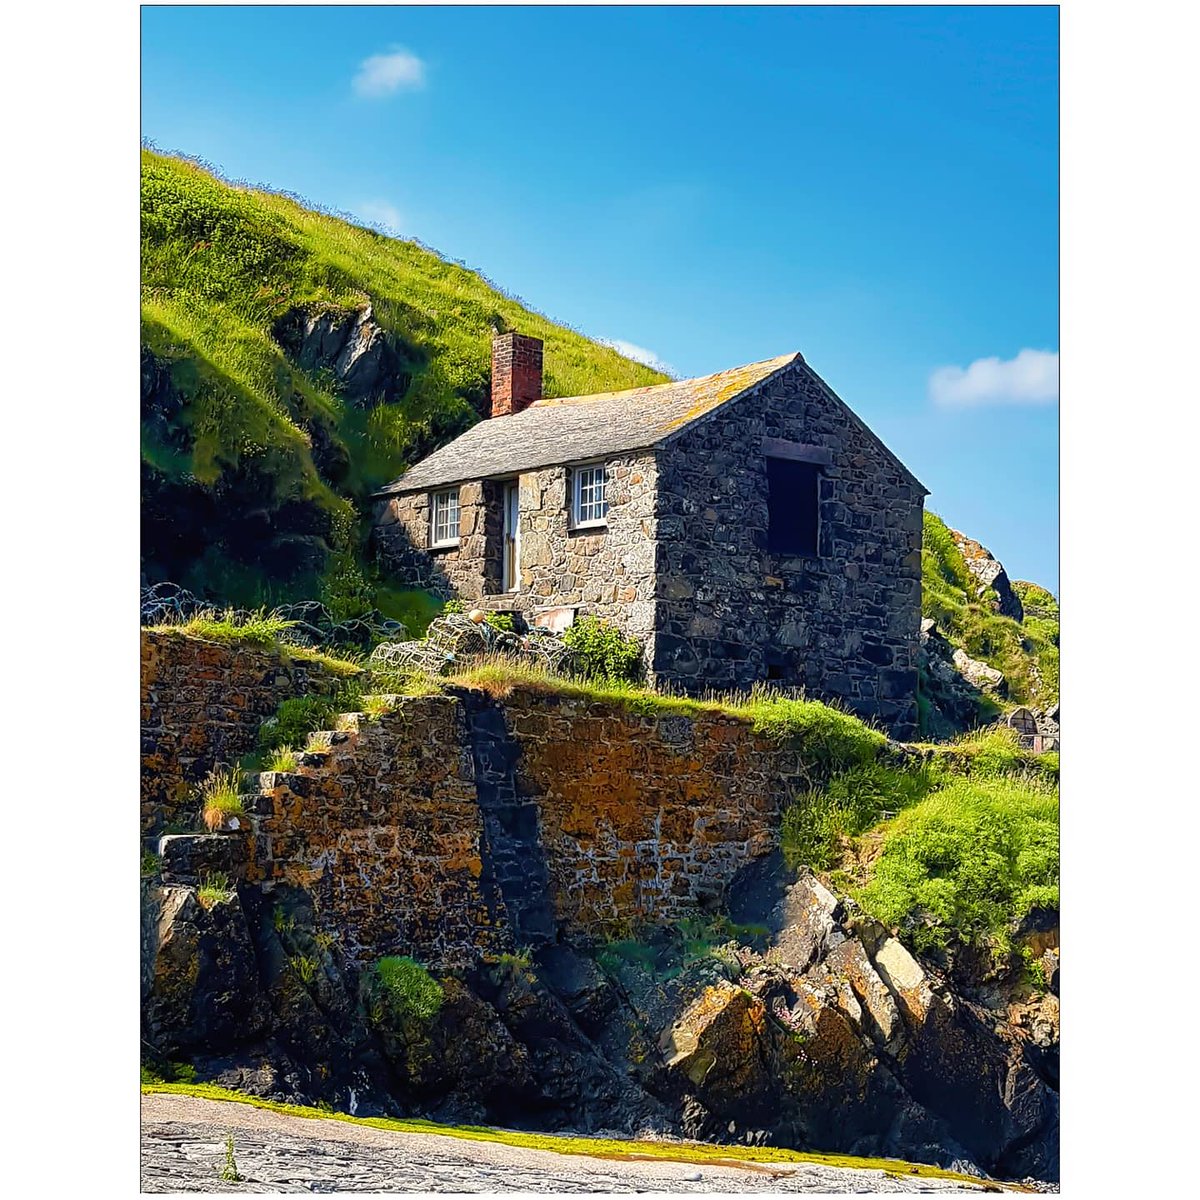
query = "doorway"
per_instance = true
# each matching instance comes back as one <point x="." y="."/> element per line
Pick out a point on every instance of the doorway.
<point x="512" y="537"/>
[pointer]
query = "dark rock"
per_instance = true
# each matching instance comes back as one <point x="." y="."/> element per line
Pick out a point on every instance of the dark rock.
<point x="189" y="857"/>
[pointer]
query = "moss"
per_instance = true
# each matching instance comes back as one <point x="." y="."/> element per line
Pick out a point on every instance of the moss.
<point x="697" y="1153"/>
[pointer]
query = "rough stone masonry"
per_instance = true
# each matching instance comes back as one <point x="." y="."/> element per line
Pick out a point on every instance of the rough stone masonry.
<point x="755" y="530"/>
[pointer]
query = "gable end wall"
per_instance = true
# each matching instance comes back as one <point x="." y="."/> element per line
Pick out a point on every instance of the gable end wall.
<point x="844" y="625"/>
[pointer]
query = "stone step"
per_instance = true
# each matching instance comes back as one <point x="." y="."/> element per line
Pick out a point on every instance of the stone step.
<point x="189" y="857"/>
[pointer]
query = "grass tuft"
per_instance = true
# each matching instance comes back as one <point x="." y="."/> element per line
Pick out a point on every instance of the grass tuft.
<point x="220" y="799"/>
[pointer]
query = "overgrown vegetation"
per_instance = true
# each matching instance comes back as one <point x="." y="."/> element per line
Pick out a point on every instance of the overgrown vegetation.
<point x="1026" y="651"/>
<point x="963" y="838"/>
<point x="967" y="862"/>
<point x="221" y="264"/>
<point x="601" y="652"/>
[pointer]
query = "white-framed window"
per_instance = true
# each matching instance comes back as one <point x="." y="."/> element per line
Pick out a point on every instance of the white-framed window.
<point x="443" y="518"/>
<point x="589" y="499"/>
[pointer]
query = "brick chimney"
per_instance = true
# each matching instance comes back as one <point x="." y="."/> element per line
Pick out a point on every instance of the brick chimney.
<point x="516" y="373"/>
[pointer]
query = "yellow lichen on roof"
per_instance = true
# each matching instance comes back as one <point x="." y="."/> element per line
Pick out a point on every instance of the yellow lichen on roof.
<point x="705" y="393"/>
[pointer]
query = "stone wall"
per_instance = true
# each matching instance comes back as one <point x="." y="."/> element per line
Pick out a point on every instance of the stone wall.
<point x="645" y="818"/>
<point x="844" y="624"/>
<point x="607" y="572"/>
<point x="385" y="831"/>
<point x="201" y="707"/>
<point x="456" y="825"/>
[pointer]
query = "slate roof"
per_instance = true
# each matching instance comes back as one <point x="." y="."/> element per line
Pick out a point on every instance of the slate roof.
<point x="570" y="429"/>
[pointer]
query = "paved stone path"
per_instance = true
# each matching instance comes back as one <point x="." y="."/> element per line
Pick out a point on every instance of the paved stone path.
<point x="183" y="1150"/>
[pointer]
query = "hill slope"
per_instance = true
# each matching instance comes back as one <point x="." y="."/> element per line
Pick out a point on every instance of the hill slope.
<point x="256" y="461"/>
<point x="974" y="616"/>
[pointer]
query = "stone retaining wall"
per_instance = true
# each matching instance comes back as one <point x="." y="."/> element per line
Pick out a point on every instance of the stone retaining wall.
<point x="456" y="825"/>
<point x="201" y="706"/>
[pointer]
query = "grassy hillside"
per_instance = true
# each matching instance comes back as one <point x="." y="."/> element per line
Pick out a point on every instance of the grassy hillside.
<point x="1026" y="651"/>
<point x="220" y="264"/>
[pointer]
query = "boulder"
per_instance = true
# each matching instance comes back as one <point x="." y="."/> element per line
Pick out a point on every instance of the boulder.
<point x="989" y="572"/>
<point x="979" y="674"/>
<point x="369" y="366"/>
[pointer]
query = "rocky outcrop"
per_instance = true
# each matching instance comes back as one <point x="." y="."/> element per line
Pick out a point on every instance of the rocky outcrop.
<point x="952" y="701"/>
<point x="989" y="572"/>
<point x="367" y="364"/>
<point x="818" y="1031"/>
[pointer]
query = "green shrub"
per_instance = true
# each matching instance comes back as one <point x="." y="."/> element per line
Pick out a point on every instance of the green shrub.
<point x="501" y="622"/>
<point x="967" y="862"/>
<point x="151" y="864"/>
<point x="454" y="606"/>
<point x="408" y="990"/>
<point x="602" y="652"/>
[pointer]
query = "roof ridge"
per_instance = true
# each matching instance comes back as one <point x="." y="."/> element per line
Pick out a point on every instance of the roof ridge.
<point x="776" y="362"/>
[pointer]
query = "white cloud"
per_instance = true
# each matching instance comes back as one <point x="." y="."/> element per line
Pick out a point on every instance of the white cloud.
<point x="384" y="216"/>
<point x="1030" y="378"/>
<point x="638" y="354"/>
<point x="382" y="74"/>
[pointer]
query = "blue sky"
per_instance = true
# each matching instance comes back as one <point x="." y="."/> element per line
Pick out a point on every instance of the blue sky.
<point x="875" y="187"/>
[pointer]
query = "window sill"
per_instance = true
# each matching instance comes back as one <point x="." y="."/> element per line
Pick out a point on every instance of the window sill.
<point x="452" y="545"/>
<point x="588" y="527"/>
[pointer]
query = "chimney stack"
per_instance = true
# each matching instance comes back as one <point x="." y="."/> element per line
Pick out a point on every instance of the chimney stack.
<point x="516" y="373"/>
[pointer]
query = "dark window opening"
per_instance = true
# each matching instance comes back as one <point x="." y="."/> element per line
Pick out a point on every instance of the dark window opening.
<point x="774" y="670"/>
<point x="792" y="506"/>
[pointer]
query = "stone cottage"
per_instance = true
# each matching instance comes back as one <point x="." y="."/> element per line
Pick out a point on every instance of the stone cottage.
<point x="745" y="526"/>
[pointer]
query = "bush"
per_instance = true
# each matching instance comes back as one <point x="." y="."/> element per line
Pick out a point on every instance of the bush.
<point x="602" y="652"/>
<point x="408" y="990"/>
<point x="968" y="862"/>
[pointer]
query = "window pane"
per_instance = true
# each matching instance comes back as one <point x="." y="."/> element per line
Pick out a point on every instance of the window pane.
<point x="590" y="503"/>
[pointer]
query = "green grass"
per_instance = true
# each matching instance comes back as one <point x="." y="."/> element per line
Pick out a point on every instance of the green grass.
<point x="408" y="990"/>
<point x="214" y="889"/>
<point x="832" y="740"/>
<point x="815" y="828"/>
<point x="220" y="798"/>
<point x="967" y="862"/>
<point x="260" y="629"/>
<point x="220" y="263"/>
<point x="282" y="759"/>
<point x="698" y="1153"/>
